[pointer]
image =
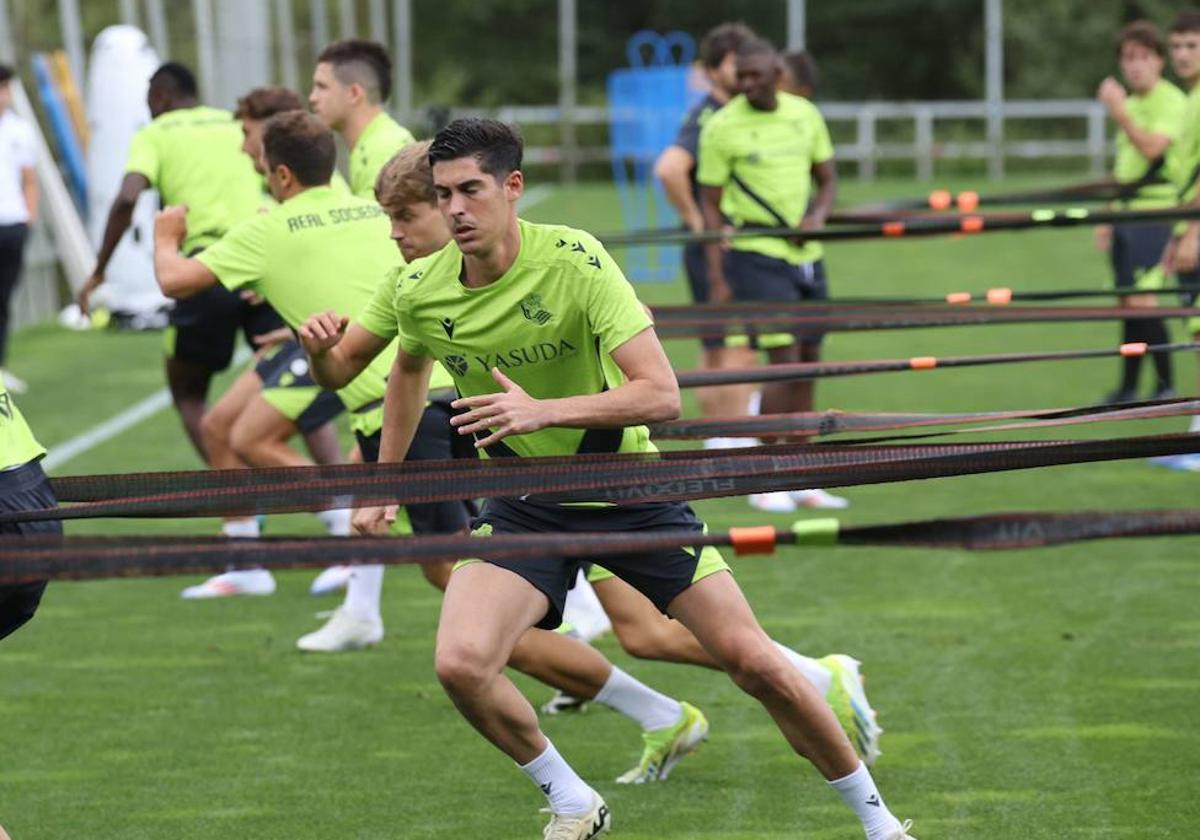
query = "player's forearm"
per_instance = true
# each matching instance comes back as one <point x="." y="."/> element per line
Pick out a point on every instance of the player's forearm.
<point x="334" y="369"/>
<point x="402" y="407"/>
<point x="826" y="194"/>
<point x="633" y="403"/>
<point x="1149" y="144"/>
<point x="710" y="208"/>
<point x="120" y="216"/>
<point x="29" y="189"/>
<point x="678" y="190"/>
<point x="178" y="276"/>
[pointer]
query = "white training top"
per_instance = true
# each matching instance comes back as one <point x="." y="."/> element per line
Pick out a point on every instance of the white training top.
<point x="17" y="152"/>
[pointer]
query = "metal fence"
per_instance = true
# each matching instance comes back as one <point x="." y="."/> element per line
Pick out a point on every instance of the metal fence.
<point x="864" y="120"/>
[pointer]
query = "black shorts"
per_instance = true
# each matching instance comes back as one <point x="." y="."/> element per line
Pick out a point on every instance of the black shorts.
<point x="289" y="387"/>
<point x="24" y="488"/>
<point x="695" y="265"/>
<point x="204" y="328"/>
<point x="755" y="278"/>
<point x="659" y="575"/>
<point x="1136" y="248"/>
<point x="432" y="442"/>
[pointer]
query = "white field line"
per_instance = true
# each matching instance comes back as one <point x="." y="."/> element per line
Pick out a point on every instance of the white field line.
<point x="103" y="432"/>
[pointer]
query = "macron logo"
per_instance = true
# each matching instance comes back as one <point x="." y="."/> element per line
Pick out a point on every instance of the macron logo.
<point x="874" y="800"/>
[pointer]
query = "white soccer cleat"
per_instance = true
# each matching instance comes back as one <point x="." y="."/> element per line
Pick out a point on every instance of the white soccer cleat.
<point x="579" y="826"/>
<point x="248" y="582"/>
<point x="816" y="498"/>
<point x="777" y="501"/>
<point x="341" y="633"/>
<point x="331" y="580"/>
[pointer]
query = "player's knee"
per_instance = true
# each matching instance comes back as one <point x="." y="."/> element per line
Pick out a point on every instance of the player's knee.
<point x="214" y="427"/>
<point x="756" y="668"/>
<point x="244" y="443"/>
<point x="461" y="669"/>
<point x="643" y="642"/>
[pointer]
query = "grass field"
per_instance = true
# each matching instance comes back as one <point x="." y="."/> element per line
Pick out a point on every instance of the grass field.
<point x="1030" y="694"/>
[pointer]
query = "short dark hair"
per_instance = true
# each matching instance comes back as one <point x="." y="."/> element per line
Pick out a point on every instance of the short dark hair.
<point x="756" y="46"/>
<point x="6" y="74"/>
<point x="302" y="143"/>
<point x="361" y="61"/>
<point x="175" y="78"/>
<point x="496" y="145"/>
<point x="803" y="68"/>
<point x="721" y="40"/>
<point x="1186" y="21"/>
<point x="264" y="102"/>
<point x="1144" y="34"/>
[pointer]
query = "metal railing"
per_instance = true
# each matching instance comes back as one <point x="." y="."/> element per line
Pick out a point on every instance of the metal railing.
<point x="866" y="151"/>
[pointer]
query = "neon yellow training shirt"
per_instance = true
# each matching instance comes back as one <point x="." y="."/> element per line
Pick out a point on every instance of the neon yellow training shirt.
<point x="319" y="250"/>
<point x="1160" y="111"/>
<point x="17" y="444"/>
<point x="1183" y="157"/>
<point x="194" y="156"/>
<point x="772" y="154"/>
<point x="378" y="144"/>
<point x="550" y="324"/>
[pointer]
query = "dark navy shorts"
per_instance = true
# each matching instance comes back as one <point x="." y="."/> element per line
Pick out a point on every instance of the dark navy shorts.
<point x="204" y="328"/>
<point x="1137" y="248"/>
<point x="755" y="278"/>
<point x="696" y="267"/>
<point x="288" y="385"/>
<point x="659" y="575"/>
<point x="432" y="442"/>
<point x="24" y="488"/>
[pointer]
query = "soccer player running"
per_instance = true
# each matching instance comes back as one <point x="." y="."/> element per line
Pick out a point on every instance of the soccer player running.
<point x="23" y="486"/>
<point x="351" y="83"/>
<point x="270" y="403"/>
<point x="319" y="248"/>
<point x="1149" y="118"/>
<point x="1182" y="254"/>
<point x="192" y="155"/>
<point x="554" y="355"/>
<point x="758" y="157"/>
<point x="676" y="169"/>
<point x="18" y="210"/>
<point x="340" y="349"/>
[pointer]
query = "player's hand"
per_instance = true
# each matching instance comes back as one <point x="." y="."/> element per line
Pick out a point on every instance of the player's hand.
<point x="374" y="521"/>
<point x="270" y="339"/>
<point x="1187" y="251"/>
<point x="84" y="296"/>
<point x="1103" y="238"/>
<point x="695" y="222"/>
<point x="170" y="224"/>
<point x="1111" y="95"/>
<point x="510" y="412"/>
<point x="251" y="297"/>
<point x="321" y="332"/>
<point x="812" y="221"/>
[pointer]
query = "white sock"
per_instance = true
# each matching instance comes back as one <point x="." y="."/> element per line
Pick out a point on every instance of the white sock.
<point x="363" y="592"/>
<point x="565" y="791"/>
<point x="754" y="407"/>
<point x="240" y="528"/>
<point x="813" y="671"/>
<point x="336" y="521"/>
<point x="1194" y="426"/>
<point x="859" y="792"/>
<point x="638" y="701"/>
